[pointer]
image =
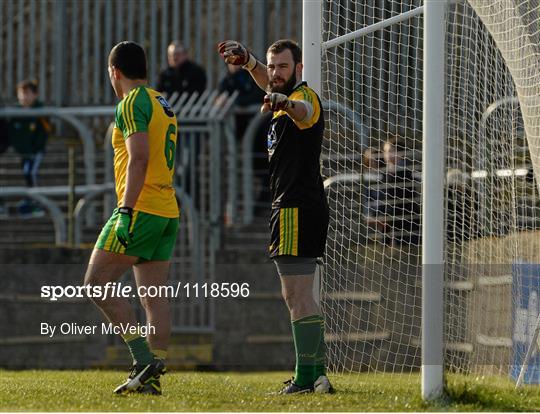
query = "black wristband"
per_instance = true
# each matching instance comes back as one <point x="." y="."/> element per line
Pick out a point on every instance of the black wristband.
<point x="125" y="210"/>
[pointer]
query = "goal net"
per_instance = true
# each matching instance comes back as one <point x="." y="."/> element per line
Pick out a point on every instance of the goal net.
<point x="372" y="162"/>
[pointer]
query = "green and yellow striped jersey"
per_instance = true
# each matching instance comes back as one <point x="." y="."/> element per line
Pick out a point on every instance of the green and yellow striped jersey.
<point x="145" y="110"/>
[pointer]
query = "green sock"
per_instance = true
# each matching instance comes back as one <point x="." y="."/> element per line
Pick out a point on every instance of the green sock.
<point x="320" y="356"/>
<point x="306" y="334"/>
<point x="138" y="347"/>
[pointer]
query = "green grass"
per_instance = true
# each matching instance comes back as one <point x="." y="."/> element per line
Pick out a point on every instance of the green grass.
<point x="203" y="391"/>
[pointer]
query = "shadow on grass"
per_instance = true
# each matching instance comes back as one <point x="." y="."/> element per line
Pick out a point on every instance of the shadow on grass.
<point x="480" y="397"/>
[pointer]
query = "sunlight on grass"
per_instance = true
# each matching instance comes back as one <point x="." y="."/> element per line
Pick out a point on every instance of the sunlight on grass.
<point x="206" y="391"/>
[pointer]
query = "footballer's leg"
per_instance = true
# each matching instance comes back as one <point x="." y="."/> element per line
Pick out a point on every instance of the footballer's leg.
<point x="105" y="267"/>
<point x="155" y="273"/>
<point x="109" y="252"/>
<point x="307" y="326"/>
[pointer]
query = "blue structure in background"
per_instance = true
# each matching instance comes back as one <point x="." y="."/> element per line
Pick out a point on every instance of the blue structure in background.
<point x="526" y="287"/>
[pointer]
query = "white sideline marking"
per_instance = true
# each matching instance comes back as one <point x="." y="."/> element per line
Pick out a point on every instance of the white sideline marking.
<point x="358" y="336"/>
<point x="356" y="296"/>
<point x="459" y="346"/>
<point x="494" y="341"/>
<point x="282" y="339"/>
<point x="465" y="285"/>
<point x="484" y="281"/>
<point x="495" y="280"/>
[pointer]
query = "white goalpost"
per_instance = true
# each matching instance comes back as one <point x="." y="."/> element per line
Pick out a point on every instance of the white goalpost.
<point x="431" y="159"/>
<point x="432" y="200"/>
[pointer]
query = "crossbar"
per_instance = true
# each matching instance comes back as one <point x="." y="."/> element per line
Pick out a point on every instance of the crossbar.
<point x="372" y="28"/>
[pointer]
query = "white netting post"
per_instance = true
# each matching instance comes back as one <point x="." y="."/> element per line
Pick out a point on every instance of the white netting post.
<point x="311" y="54"/>
<point x="432" y="199"/>
<point x="311" y="42"/>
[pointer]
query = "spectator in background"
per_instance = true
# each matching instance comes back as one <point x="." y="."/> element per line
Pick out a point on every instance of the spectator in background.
<point x="394" y="154"/>
<point x="401" y="193"/>
<point x="462" y="207"/>
<point x="28" y="136"/>
<point x="374" y="197"/>
<point x="372" y="163"/>
<point x="182" y="75"/>
<point x="248" y="94"/>
<point x="4" y="137"/>
<point x="4" y="144"/>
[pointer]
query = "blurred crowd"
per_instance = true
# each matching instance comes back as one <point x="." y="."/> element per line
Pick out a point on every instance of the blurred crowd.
<point x="28" y="136"/>
<point x="391" y="182"/>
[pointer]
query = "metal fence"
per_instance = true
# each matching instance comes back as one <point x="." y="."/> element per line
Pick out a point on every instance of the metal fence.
<point x="65" y="43"/>
<point x="205" y="185"/>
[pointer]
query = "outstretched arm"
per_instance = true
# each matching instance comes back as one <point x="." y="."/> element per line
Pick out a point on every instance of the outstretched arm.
<point x="235" y="53"/>
<point x="298" y="110"/>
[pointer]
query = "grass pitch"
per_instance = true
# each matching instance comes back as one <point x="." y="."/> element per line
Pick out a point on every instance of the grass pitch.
<point x="204" y="391"/>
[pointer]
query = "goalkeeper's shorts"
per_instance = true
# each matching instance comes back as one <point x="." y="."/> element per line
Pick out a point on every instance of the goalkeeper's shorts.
<point x="153" y="238"/>
<point x="298" y="232"/>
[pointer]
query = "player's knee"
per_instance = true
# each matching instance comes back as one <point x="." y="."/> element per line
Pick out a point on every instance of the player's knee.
<point x="146" y="302"/>
<point x="295" y="299"/>
<point x="94" y="287"/>
<point x="95" y="275"/>
<point x="89" y="281"/>
<point x="151" y="303"/>
<point x="299" y="302"/>
<point x="290" y="298"/>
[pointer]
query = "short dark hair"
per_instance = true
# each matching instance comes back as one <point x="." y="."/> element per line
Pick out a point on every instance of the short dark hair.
<point x="283" y="44"/>
<point x="28" y="84"/>
<point x="130" y="59"/>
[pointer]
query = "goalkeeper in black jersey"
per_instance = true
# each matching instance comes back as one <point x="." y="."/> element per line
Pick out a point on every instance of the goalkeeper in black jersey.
<point x="299" y="219"/>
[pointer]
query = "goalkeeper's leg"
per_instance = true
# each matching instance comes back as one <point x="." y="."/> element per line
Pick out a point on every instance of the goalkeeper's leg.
<point x="307" y="326"/>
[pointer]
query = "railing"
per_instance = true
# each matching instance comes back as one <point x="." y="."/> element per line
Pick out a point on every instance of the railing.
<point x="196" y="113"/>
<point x="205" y="133"/>
<point x="69" y="115"/>
<point x="203" y="126"/>
<point x="385" y="199"/>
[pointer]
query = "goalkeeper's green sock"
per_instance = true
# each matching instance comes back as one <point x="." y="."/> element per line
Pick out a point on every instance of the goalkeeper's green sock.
<point x="306" y="334"/>
<point x="320" y="356"/>
<point x="138" y="347"/>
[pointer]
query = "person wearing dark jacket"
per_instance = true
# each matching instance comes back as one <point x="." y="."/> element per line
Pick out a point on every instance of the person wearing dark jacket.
<point x="182" y="75"/>
<point x="4" y="145"/>
<point x="28" y="136"/>
<point x="248" y="94"/>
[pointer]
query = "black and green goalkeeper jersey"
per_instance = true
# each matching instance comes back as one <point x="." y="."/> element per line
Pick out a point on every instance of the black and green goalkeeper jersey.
<point x="294" y="151"/>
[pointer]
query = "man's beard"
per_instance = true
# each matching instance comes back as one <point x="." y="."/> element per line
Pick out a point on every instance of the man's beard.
<point x="286" y="88"/>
